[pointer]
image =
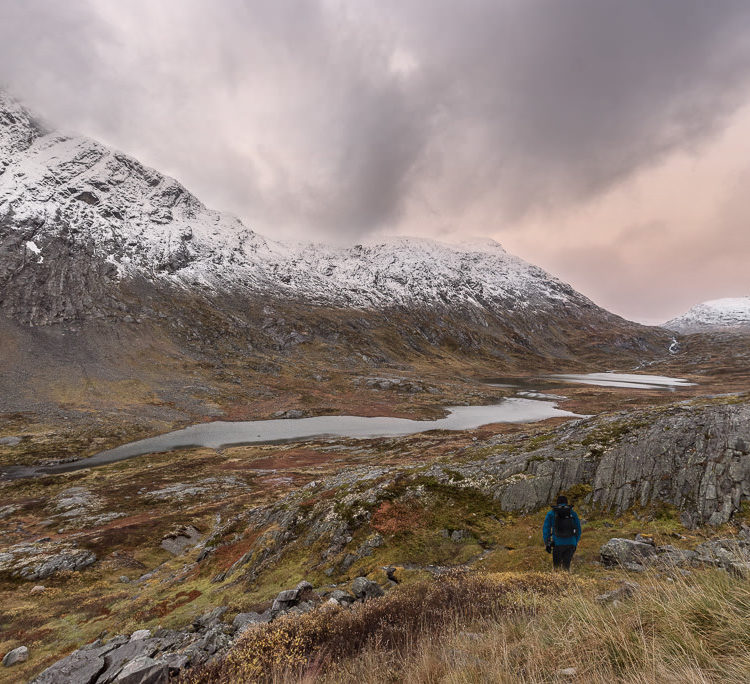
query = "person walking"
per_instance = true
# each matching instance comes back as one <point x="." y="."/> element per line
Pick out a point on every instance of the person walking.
<point x="561" y="532"/>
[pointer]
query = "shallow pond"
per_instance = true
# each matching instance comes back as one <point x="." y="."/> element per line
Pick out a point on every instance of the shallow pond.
<point x="222" y="434"/>
<point x="624" y="380"/>
<point x="630" y="380"/>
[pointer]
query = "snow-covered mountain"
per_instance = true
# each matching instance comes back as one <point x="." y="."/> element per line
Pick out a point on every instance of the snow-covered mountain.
<point x="145" y="223"/>
<point x="89" y="233"/>
<point x="717" y="314"/>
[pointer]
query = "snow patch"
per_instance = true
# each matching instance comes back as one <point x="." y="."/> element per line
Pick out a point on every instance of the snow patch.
<point x="33" y="247"/>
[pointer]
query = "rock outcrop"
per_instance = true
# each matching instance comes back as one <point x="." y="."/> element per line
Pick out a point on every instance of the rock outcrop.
<point x="146" y="658"/>
<point x="732" y="555"/>
<point x="37" y="560"/>
<point x="693" y="456"/>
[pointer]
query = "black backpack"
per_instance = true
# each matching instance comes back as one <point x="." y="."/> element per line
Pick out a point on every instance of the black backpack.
<point x="565" y="524"/>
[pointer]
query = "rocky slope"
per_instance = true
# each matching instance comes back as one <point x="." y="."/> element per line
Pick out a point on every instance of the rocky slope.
<point x="691" y="457"/>
<point x="88" y="233"/>
<point x="717" y="315"/>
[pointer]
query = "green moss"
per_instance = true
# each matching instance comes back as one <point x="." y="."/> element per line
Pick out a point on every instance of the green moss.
<point x="577" y="492"/>
<point x="538" y="441"/>
<point x="454" y="474"/>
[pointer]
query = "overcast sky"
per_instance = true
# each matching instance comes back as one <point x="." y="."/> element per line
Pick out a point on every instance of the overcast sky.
<point x="605" y="140"/>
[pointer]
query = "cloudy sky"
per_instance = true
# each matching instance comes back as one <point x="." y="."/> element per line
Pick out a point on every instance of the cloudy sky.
<point x="605" y="140"/>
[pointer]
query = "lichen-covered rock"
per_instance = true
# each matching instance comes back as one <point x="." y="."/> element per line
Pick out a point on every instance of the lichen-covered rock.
<point x="341" y="597"/>
<point x="143" y="670"/>
<point x="38" y="560"/>
<point x="694" y="457"/>
<point x="179" y="539"/>
<point x="285" y="600"/>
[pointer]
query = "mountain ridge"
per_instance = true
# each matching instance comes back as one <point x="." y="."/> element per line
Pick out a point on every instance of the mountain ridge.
<point x="143" y="222"/>
<point x="90" y="234"/>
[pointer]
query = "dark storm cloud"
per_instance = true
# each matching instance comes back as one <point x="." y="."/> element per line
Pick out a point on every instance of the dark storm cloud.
<point x="338" y="116"/>
<point x="569" y="97"/>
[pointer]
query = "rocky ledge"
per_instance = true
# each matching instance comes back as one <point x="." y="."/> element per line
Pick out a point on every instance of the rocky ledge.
<point x="144" y="657"/>
<point x="641" y="553"/>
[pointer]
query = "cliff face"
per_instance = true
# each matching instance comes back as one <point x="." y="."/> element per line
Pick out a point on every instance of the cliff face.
<point x="696" y="458"/>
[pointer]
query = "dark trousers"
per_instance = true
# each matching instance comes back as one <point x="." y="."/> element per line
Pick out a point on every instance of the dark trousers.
<point x="562" y="555"/>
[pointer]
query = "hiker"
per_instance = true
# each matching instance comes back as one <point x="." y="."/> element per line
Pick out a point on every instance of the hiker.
<point x="561" y="532"/>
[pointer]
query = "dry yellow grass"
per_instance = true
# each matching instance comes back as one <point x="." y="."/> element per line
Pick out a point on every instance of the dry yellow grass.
<point x="519" y="628"/>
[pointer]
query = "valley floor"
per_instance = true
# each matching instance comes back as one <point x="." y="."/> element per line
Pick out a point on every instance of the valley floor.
<point x="157" y="540"/>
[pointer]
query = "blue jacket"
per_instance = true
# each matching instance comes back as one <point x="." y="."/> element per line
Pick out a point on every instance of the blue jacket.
<point x="547" y="533"/>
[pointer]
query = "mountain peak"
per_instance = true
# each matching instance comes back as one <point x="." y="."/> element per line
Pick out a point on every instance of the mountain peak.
<point x="715" y="314"/>
<point x="18" y="129"/>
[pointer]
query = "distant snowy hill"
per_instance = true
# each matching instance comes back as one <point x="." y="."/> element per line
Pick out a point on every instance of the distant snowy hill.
<point x="717" y="314"/>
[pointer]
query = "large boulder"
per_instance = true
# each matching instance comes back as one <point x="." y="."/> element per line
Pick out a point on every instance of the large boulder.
<point x="364" y="588"/>
<point x="626" y="552"/>
<point x="82" y="666"/>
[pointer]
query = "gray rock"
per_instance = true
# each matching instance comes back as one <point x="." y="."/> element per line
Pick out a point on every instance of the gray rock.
<point x="7" y="510"/>
<point x="634" y="567"/>
<point x="364" y="588"/>
<point x="348" y="561"/>
<point x="175" y="662"/>
<point x="39" y="560"/>
<point x="671" y="556"/>
<point x="621" y="551"/>
<point x="244" y="620"/>
<point x="341" y="597"/>
<point x="740" y="569"/>
<point x="285" y="600"/>
<point x="10" y="441"/>
<point x="140" y="634"/>
<point x="304" y="586"/>
<point x="144" y="670"/>
<point x="116" y="659"/>
<point x="82" y="666"/>
<point x="212" y="641"/>
<point x="180" y="539"/>
<point x="210" y="618"/>
<point x="17" y="655"/>
<point x="683" y="456"/>
<point x="372" y="542"/>
<point x="723" y="552"/>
